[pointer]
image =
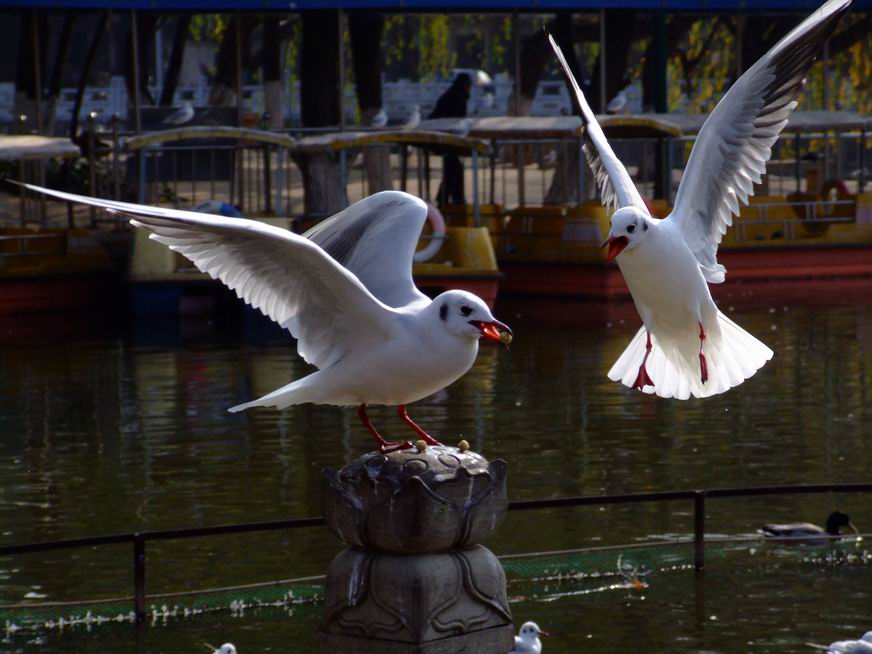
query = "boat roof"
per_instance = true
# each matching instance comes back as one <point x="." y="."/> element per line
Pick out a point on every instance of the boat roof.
<point x="335" y="141"/>
<point x="30" y="146"/>
<point x="629" y="125"/>
<point x="402" y="6"/>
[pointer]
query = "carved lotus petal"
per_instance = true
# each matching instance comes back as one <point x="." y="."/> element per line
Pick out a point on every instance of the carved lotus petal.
<point x="412" y="501"/>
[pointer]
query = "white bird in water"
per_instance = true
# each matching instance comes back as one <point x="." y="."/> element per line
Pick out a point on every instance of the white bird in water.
<point x="687" y="347"/>
<point x="345" y="291"/>
<point x="862" y="646"/>
<point x="527" y="641"/>
<point x="806" y="532"/>
<point x="414" y="119"/>
<point x="181" y="115"/>
<point x="380" y="119"/>
<point x="226" y="648"/>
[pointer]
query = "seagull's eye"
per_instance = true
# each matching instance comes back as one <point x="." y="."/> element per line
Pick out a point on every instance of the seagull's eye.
<point x="466" y="310"/>
<point x="631" y="229"/>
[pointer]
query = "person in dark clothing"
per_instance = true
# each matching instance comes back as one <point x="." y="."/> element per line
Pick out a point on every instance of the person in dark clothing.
<point x="452" y="104"/>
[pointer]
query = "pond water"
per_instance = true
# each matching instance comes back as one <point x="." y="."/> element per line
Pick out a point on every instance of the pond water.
<point x="119" y="425"/>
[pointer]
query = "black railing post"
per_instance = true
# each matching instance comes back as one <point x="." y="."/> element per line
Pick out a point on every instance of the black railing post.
<point x="699" y="530"/>
<point x="139" y="578"/>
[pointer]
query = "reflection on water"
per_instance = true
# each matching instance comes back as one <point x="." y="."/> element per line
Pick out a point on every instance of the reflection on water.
<point x="108" y="427"/>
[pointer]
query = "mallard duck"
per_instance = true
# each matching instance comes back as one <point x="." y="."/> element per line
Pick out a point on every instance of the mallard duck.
<point x="805" y="531"/>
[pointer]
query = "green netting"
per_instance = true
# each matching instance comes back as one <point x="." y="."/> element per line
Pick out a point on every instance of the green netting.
<point x="545" y="575"/>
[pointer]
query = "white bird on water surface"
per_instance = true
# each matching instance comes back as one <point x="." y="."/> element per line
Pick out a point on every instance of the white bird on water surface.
<point x="226" y="648"/>
<point x="180" y="116"/>
<point x="527" y="641"/>
<point x="862" y="646"/>
<point x="345" y="291"/>
<point x="686" y="347"/>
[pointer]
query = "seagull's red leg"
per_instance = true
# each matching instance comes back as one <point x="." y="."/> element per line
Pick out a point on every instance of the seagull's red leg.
<point x="703" y="366"/>
<point x="401" y="411"/>
<point x="384" y="446"/>
<point x="642" y="378"/>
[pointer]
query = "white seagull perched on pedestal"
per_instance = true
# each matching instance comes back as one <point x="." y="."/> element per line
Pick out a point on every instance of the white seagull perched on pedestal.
<point x="180" y="116"/>
<point x="687" y="347"/>
<point x="345" y="291"/>
<point x="527" y="641"/>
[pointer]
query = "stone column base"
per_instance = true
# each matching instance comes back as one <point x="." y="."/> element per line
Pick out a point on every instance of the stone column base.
<point x="435" y="603"/>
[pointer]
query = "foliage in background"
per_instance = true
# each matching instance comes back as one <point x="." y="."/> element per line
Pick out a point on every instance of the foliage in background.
<point x="208" y="26"/>
<point x="701" y="71"/>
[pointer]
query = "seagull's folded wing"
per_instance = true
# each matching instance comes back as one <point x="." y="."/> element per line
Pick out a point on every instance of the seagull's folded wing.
<point x="285" y="276"/>
<point x="616" y="188"/>
<point x="376" y="239"/>
<point x="735" y="142"/>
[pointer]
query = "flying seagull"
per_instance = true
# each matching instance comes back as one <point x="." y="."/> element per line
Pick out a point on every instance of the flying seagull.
<point x="345" y="291"/>
<point x="686" y="347"/>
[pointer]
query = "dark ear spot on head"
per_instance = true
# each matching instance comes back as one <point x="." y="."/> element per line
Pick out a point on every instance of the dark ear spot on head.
<point x="443" y="312"/>
<point x="644" y="227"/>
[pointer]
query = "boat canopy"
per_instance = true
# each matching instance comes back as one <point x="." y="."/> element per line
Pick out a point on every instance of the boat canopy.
<point x="336" y="141"/>
<point x="29" y="146"/>
<point x="402" y="6"/>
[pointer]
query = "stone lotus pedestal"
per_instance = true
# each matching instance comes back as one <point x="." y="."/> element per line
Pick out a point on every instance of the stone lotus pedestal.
<point x="415" y="578"/>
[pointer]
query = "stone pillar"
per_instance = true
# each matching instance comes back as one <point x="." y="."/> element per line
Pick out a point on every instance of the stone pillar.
<point x="415" y="579"/>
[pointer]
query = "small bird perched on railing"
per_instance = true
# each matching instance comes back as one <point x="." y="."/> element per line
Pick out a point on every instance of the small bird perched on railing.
<point x="527" y="641"/>
<point x="180" y="116"/>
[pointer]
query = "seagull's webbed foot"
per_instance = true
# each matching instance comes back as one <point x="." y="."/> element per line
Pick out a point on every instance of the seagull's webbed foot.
<point x="427" y="438"/>
<point x="642" y="377"/>
<point x="703" y="365"/>
<point x="385" y="447"/>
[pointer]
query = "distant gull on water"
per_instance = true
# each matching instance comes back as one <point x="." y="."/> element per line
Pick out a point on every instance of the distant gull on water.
<point x="345" y="291"/>
<point x="527" y="641"/>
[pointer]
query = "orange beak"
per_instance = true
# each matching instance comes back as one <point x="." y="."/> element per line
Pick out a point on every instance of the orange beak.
<point x="494" y="331"/>
<point x="616" y="246"/>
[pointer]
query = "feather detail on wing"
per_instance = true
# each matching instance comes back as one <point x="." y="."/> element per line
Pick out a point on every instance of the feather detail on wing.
<point x="734" y="144"/>
<point x="285" y="276"/>
<point x="376" y="239"/>
<point x="616" y="188"/>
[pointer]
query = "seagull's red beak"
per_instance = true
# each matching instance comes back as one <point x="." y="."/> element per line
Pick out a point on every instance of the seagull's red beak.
<point x="544" y="633"/>
<point x="494" y="331"/>
<point x="616" y="245"/>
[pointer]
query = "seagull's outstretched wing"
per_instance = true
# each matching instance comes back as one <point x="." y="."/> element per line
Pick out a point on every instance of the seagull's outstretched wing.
<point x="375" y="239"/>
<point x="616" y="188"/>
<point x="735" y="142"/>
<point x="285" y="276"/>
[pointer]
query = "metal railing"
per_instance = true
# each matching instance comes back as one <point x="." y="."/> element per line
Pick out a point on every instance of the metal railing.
<point x="698" y="497"/>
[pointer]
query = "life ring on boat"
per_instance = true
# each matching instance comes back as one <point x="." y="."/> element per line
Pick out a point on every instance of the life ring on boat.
<point x="437" y="225"/>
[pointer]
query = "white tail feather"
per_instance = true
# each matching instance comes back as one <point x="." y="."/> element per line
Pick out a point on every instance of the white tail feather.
<point x="732" y="356"/>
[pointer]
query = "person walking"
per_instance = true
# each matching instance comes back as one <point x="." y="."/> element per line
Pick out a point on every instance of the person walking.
<point x="452" y="104"/>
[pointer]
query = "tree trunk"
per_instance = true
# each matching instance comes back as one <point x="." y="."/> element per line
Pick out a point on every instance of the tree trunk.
<point x="25" y="77"/>
<point x="174" y="66"/>
<point x="271" y="61"/>
<point x="366" y="33"/>
<point x="620" y="29"/>
<point x="319" y="69"/>
<point x="83" y="76"/>
<point x="223" y="92"/>
<point x="145" y="27"/>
